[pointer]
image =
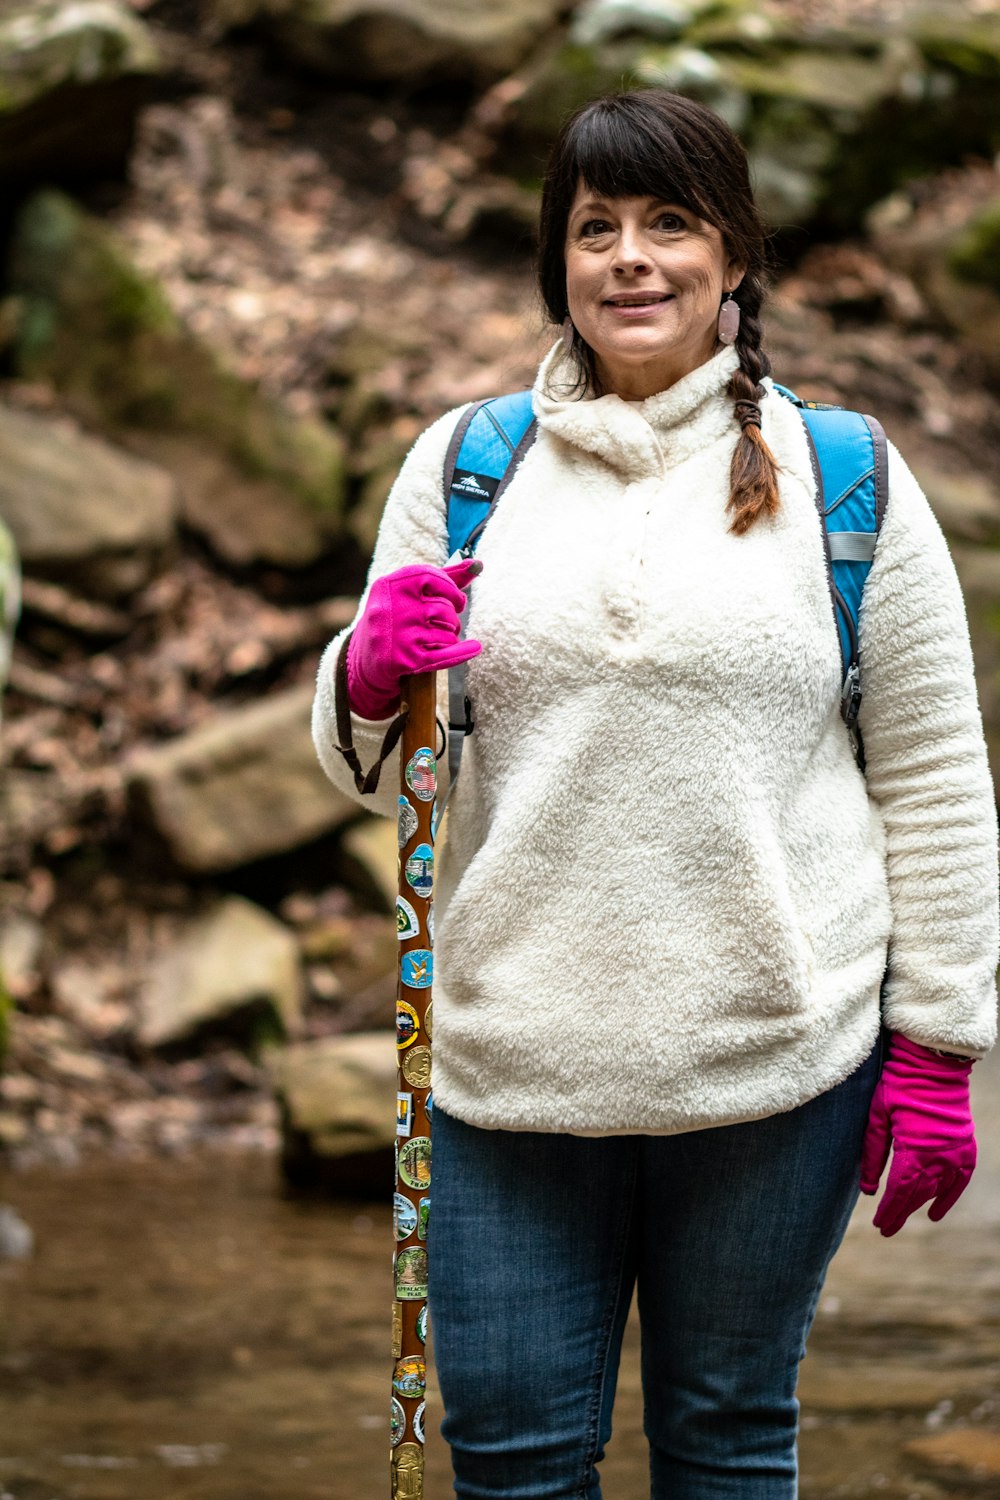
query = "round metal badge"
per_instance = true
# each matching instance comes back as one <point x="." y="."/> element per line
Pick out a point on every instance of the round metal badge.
<point x="397" y="1329"/>
<point x="422" y="1324"/>
<point x="408" y="1472"/>
<point x="418" y="1422"/>
<point x="420" y="870"/>
<point x="421" y="773"/>
<point x="406" y="820"/>
<point x="407" y="1024"/>
<point x="415" y="1162"/>
<point x="428" y="1013"/>
<point x="411" y="1274"/>
<point x="416" y="968"/>
<point x="397" y="1422"/>
<point x="407" y="921"/>
<point x="404" y="1216"/>
<point x="416" y="1067"/>
<point x="410" y="1378"/>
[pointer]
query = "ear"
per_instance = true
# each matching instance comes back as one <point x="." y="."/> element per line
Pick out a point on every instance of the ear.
<point x="733" y="276"/>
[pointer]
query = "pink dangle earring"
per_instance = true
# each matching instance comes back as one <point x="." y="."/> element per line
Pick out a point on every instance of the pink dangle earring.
<point x="729" y="320"/>
<point x="568" y="333"/>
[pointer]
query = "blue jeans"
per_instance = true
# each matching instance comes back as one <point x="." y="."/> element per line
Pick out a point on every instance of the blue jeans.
<point x="536" y="1242"/>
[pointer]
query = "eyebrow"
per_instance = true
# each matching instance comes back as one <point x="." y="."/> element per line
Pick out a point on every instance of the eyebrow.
<point x="595" y="203"/>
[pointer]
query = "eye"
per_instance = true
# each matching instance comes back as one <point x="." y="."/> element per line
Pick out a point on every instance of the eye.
<point x="593" y="227"/>
<point x="671" y="222"/>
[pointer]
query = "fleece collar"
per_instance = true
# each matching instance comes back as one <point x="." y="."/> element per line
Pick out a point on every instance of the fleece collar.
<point x="637" y="438"/>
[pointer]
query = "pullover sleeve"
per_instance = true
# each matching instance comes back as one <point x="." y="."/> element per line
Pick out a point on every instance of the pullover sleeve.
<point x="927" y="769"/>
<point x="413" y="529"/>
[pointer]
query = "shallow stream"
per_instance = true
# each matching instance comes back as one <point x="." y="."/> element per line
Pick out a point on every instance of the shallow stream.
<point x="185" y="1330"/>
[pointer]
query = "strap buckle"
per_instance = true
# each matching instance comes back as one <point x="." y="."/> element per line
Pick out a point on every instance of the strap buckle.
<point x="469" y="724"/>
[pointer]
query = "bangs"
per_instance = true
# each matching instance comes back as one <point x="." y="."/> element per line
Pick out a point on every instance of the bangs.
<point x="616" y="153"/>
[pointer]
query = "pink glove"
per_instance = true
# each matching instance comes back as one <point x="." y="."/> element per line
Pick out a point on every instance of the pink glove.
<point x="921" y="1105"/>
<point x="410" y="623"/>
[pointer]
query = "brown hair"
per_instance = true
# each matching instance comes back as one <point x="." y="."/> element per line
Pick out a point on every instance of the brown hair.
<point x="651" y="141"/>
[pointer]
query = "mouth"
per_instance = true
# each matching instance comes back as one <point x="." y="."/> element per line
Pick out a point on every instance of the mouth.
<point x="638" y="299"/>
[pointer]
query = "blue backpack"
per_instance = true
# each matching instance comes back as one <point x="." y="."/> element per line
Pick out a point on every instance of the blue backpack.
<point x="850" y="463"/>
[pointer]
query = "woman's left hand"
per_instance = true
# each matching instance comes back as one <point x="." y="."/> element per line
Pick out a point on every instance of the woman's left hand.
<point x="921" y="1108"/>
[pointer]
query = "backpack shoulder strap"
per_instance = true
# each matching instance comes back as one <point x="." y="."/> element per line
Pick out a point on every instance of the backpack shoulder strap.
<point x="851" y="468"/>
<point x="490" y="439"/>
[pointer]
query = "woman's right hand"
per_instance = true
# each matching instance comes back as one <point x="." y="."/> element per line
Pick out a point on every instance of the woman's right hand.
<point x="410" y="623"/>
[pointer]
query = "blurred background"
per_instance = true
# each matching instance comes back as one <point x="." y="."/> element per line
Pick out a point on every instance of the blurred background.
<point x="248" y="250"/>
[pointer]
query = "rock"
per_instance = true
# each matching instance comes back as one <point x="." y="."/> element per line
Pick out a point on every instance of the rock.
<point x="236" y="968"/>
<point x="602" y="20"/>
<point x="72" y="76"/>
<point x="975" y="256"/>
<point x="400" y="40"/>
<point x="940" y="236"/>
<point x="81" y="511"/>
<point x="966" y="1454"/>
<point x="244" y="786"/>
<point x="375" y="847"/>
<point x="262" y="484"/>
<point x="16" y="1237"/>
<point x="85" y="993"/>
<point x="337" y="1101"/>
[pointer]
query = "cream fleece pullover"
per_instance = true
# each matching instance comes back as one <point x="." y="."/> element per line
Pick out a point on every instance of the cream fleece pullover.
<point x="666" y="893"/>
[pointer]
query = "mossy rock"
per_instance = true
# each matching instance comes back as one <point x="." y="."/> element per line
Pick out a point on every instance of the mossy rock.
<point x="406" y="42"/>
<point x="976" y="255"/>
<point x="73" y="74"/>
<point x="88" y="321"/>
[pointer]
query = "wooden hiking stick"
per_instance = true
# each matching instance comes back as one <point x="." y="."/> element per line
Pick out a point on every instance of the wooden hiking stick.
<point x="411" y="1204"/>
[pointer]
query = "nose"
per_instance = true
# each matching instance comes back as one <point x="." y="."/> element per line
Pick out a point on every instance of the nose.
<point x="631" y="255"/>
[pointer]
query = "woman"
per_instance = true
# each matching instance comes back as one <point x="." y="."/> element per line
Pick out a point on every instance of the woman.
<point x="667" y="893"/>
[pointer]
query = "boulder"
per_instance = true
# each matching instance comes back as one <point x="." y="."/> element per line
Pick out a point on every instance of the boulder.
<point x="261" y="483"/>
<point x="82" y="512"/>
<point x="73" y="74"/>
<point x="242" y="787"/>
<point x="337" y="1099"/>
<point x="399" y="40"/>
<point x="236" y="969"/>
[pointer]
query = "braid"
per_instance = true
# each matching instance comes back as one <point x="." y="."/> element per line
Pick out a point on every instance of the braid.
<point x="753" y="475"/>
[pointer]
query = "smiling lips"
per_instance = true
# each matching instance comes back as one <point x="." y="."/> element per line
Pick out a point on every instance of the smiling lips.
<point x="637" y="302"/>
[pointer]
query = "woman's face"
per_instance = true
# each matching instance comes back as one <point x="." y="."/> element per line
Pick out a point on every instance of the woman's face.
<point x="644" y="281"/>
